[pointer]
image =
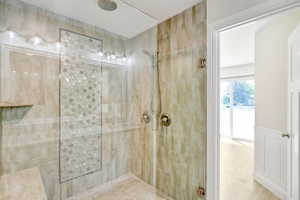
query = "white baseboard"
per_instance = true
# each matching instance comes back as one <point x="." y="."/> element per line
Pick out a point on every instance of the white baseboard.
<point x="277" y="191"/>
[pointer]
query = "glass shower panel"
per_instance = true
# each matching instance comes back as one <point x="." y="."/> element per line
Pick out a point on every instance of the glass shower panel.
<point x="181" y="146"/>
<point x="114" y="97"/>
<point x="80" y="105"/>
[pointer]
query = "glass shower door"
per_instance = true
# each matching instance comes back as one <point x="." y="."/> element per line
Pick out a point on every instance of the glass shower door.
<point x="181" y="146"/>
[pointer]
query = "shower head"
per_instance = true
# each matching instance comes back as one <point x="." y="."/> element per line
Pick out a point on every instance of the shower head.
<point x="152" y="57"/>
<point x="108" y="5"/>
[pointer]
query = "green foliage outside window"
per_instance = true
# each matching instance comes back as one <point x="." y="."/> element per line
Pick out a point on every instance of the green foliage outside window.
<point x="242" y="93"/>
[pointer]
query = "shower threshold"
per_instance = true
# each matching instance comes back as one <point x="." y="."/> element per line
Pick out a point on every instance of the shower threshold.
<point x="127" y="187"/>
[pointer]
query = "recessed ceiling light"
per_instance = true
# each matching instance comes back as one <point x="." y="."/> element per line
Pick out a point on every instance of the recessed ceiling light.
<point x="108" y="5"/>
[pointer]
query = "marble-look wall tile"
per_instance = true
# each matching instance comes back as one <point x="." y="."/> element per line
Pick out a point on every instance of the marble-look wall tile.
<point x="114" y="96"/>
<point x="181" y="153"/>
<point x="128" y="144"/>
<point x="142" y="51"/>
<point x="180" y="150"/>
<point x="30" y="135"/>
<point x="24" y="72"/>
<point x="33" y="21"/>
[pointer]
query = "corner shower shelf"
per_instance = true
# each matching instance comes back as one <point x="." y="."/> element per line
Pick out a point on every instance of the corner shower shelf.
<point x="13" y="105"/>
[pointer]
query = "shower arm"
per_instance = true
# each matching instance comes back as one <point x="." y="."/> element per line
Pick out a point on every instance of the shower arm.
<point x="155" y="93"/>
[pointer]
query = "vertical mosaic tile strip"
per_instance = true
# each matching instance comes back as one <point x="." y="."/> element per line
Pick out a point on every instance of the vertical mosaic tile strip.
<point x="80" y="106"/>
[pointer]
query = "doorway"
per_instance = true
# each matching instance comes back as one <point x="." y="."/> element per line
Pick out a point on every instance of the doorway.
<point x="253" y="135"/>
<point x="237" y="120"/>
<point x="237" y="115"/>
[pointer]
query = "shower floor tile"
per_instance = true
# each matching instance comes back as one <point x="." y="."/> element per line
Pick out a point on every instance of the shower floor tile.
<point x="26" y="185"/>
<point x="126" y="188"/>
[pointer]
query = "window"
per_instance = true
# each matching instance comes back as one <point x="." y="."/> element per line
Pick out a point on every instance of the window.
<point x="237" y="115"/>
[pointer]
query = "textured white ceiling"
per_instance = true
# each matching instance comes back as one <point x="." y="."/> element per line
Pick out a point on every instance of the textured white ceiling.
<point x="161" y="9"/>
<point x="131" y="18"/>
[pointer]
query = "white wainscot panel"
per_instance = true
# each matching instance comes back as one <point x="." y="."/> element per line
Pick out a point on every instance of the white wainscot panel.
<point x="271" y="160"/>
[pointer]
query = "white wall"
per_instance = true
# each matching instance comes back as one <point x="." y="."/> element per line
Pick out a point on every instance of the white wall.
<point x="271" y="52"/>
<point x="271" y="67"/>
<point x="237" y="71"/>
<point x="237" y="45"/>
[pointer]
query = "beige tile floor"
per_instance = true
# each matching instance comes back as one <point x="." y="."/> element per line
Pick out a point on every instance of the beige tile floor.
<point x="126" y="188"/>
<point x="237" y="167"/>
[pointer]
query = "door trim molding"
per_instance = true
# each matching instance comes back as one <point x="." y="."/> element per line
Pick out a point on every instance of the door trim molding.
<point x="260" y="11"/>
<point x="293" y="88"/>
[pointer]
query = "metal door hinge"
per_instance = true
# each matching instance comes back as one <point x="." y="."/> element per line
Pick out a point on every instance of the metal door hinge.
<point x="201" y="192"/>
<point x="286" y="135"/>
<point x="202" y="63"/>
<point x="165" y="120"/>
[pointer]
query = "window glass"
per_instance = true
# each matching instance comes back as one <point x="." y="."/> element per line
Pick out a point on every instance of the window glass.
<point x="237" y="114"/>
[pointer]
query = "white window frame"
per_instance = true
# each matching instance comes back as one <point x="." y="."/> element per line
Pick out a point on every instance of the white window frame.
<point x="235" y="78"/>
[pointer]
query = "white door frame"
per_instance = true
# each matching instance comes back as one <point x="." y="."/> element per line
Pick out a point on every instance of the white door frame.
<point x="292" y="85"/>
<point x="213" y="125"/>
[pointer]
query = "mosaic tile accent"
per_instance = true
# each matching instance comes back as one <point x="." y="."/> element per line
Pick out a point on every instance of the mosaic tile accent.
<point x="123" y="151"/>
<point x="80" y="106"/>
<point x="30" y="136"/>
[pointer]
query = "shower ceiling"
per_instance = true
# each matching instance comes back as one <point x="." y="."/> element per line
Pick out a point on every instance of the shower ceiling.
<point x="131" y="17"/>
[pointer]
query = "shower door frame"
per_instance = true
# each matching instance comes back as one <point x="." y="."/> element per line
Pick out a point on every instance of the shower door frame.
<point x="257" y="12"/>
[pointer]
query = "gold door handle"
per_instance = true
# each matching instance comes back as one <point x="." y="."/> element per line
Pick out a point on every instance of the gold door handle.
<point x="286" y="135"/>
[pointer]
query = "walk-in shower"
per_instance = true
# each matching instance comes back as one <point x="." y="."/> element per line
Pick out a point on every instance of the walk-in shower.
<point x="85" y="112"/>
